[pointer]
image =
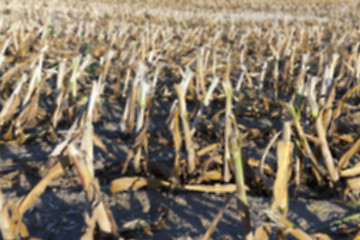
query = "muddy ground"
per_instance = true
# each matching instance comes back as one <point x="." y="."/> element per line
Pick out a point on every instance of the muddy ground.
<point x="59" y="214"/>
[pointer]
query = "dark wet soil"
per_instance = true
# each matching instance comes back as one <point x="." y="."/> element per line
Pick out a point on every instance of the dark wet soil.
<point x="59" y="213"/>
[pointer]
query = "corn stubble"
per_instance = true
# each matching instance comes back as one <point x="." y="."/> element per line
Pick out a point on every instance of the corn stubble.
<point x="214" y="68"/>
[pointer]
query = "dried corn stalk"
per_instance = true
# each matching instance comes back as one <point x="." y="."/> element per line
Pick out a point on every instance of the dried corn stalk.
<point x="228" y="130"/>
<point x="284" y="160"/>
<point x="181" y="90"/>
<point x="243" y="206"/>
<point x="321" y="132"/>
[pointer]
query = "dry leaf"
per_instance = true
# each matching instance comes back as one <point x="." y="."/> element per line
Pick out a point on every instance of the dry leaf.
<point x="346" y="157"/>
<point x="31" y="198"/>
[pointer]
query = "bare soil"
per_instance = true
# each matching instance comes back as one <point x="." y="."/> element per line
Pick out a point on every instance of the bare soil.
<point x="59" y="214"/>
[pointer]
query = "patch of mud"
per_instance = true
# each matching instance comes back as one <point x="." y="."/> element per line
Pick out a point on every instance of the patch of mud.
<point x="59" y="212"/>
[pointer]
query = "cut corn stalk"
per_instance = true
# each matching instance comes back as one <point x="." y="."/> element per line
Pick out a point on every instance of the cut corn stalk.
<point x="181" y="91"/>
<point x="12" y="103"/>
<point x="227" y="132"/>
<point x="74" y="75"/>
<point x="243" y="206"/>
<point x="321" y="132"/>
<point x="284" y="160"/>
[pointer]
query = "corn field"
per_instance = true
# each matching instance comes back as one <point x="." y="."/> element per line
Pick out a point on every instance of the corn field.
<point x="233" y="100"/>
